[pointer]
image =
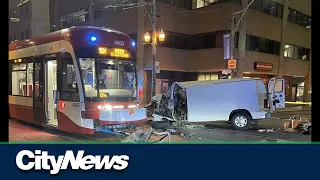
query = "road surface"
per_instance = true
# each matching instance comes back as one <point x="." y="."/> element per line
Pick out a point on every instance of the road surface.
<point x="22" y="132"/>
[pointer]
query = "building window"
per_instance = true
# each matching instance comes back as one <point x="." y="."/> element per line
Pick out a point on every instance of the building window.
<point x="72" y="19"/>
<point x="296" y="52"/>
<point x="299" y="18"/>
<point x="22" y="36"/>
<point x="208" y="76"/>
<point x="203" y="3"/>
<point x="21" y="10"/>
<point x="14" y="37"/>
<point x="181" y="3"/>
<point x="203" y="41"/>
<point x="196" y="41"/>
<point x="176" y="40"/>
<point x="258" y="44"/>
<point x="268" y="7"/>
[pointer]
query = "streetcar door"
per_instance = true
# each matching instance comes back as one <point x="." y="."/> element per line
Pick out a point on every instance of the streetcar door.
<point x="38" y="93"/>
<point x="51" y="91"/>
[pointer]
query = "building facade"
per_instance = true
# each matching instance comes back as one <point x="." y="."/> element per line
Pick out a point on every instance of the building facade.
<point x="273" y="38"/>
<point x="33" y="19"/>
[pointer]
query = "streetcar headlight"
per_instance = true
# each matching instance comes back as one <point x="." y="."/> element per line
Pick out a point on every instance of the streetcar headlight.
<point x="118" y="107"/>
<point x="132" y="106"/>
<point x="107" y="107"/>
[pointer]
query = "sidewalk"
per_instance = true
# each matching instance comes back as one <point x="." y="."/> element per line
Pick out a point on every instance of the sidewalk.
<point x="290" y="108"/>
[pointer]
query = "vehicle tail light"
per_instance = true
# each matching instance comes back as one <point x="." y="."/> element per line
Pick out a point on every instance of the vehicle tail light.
<point x="62" y="105"/>
<point x="266" y="104"/>
<point x="99" y="107"/>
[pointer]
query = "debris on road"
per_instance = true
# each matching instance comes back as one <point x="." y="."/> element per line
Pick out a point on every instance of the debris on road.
<point x="193" y="126"/>
<point x="145" y="136"/>
<point x="298" y="125"/>
<point x="266" y="130"/>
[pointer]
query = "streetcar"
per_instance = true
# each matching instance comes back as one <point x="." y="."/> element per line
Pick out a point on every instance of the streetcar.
<point x="78" y="80"/>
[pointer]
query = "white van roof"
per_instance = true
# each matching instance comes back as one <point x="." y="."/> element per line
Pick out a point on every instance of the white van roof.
<point x="199" y="83"/>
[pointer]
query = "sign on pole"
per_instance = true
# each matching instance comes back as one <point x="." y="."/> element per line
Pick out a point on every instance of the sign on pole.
<point x="226" y="46"/>
<point x="232" y="64"/>
<point x="157" y="67"/>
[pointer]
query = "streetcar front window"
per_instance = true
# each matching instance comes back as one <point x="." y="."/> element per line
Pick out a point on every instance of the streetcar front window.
<point x="114" y="79"/>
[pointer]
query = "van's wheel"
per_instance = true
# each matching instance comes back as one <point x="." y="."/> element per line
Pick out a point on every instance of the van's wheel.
<point x="241" y="121"/>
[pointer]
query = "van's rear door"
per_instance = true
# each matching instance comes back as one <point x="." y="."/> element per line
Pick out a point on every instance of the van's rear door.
<point x="276" y="93"/>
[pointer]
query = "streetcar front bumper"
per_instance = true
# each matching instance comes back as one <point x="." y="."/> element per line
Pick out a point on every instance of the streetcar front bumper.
<point x="122" y="116"/>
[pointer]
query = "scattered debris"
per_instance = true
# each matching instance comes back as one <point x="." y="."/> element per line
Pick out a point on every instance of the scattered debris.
<point x="193" y="126"/>
<point x="136" y="136"/>
<point x="123" y="130"/>
<point x="298" y="125"/>
<point x="266" y="130"/>
<point x="145" y="136"/>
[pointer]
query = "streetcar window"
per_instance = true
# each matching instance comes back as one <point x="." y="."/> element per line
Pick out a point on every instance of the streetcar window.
<point x="37" y="68"/>
<point x="68" y="80"/>
<point x="17" y="67"/>
<point x="87" y="67"/>
<point x="19" y="83"/>
<point x="30" y="79"/>
<point x="22" y="79"/>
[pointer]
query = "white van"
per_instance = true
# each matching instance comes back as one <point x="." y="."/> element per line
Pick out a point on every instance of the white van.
<point x="240" y="101"/>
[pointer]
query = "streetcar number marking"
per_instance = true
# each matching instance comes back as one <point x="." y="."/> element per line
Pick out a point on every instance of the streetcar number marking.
<point x="75" y="104"/>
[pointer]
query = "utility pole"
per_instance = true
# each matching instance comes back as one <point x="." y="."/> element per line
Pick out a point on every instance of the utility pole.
<point x="91" y="12"/>
<point x="234" y="30"/>
<point x="232" y="40"/>
<point x="154" y="48"/>
<point x="232" y="36"/>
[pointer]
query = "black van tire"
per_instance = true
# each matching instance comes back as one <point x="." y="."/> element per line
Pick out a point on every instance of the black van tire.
<point x="241" y="116"/>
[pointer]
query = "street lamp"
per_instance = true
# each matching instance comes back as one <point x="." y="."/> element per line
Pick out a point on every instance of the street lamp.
<point x="147" y="37"/>
<point x="162" y="36"/>
<point x="155" y="63"/>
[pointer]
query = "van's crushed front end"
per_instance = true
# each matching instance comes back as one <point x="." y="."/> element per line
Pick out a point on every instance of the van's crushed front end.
<point x="170" y="106"/>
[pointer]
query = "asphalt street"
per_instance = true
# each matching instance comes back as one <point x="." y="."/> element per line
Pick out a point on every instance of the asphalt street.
<point x="211" y="132"/>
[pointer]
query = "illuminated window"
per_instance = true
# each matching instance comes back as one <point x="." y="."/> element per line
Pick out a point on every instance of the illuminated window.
<point x="202" y="3"/>
<point x="18" y="80"/>
<point x="30" y="79"/>
<point x="88" y="72"/>
<point x="208" y="76"/>
<point x="37" y="79"/>
<point x="296" y="52"/>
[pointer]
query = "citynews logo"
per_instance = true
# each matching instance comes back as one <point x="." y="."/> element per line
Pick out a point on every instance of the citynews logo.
<point x="40" y="160"/>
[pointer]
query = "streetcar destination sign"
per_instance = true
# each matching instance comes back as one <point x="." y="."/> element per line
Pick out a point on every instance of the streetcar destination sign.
<point x="114" y="52"/>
